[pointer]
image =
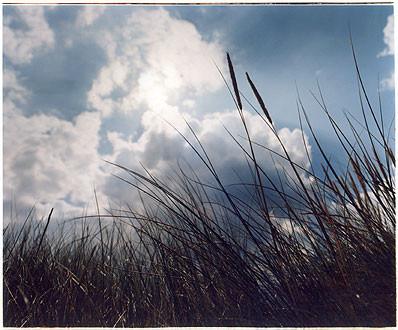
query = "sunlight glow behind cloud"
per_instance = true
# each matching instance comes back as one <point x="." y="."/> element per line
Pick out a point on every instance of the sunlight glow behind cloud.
<point x="157" y="68"/>
<point x="154" y="59"/>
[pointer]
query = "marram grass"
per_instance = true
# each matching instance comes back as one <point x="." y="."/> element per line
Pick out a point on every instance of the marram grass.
<point x="198" y="254"/>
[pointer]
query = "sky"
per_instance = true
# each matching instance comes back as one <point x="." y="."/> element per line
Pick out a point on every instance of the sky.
<point x="83" y="85"/>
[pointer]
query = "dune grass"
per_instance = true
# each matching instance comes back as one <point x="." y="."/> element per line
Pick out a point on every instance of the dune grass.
<point x="312" y="248"/>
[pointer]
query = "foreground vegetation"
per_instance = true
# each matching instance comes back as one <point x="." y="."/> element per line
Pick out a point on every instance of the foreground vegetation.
<point x="310" y="248"/>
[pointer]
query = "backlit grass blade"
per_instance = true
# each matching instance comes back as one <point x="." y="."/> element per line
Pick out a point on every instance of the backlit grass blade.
<point x="234" y="82"/>
<point x="259" y="98"/>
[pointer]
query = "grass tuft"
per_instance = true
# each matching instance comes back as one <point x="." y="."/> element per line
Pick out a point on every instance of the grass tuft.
<point x="313" y="248"/>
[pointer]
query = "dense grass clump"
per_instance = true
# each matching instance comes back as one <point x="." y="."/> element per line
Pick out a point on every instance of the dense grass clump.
<point x="310" y="248"/>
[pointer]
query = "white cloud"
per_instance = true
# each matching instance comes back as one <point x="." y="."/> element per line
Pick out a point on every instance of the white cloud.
<point x="55" y="162"/>
<point x="388" y="83"/>
<point x="48" y="162"/>
<point x="160" y="148"/>
<point x="88" y="15"/>
<point x="111" y="77"/>
<point x="20" y="44"/>
<point x="13" y="92"/>
<point x="188" y="103"/>
<point x="154" y="60"/>
<point x="158" y="66"/>
<point x="388" y="38"/>
<point x="48" y="159"/>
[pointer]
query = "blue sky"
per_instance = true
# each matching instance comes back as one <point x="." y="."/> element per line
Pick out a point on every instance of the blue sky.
<point x="88" y="83"/>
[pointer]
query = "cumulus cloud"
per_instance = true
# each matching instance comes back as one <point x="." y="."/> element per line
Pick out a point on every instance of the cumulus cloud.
<point x="88" y="15"/>
<point x="157" y="67"/>
<point x="154" y="59"/>
<point x="14" y="93"/>
<point x="160" y="148"/>
<point x="32" y="35"/>
<point x="51" y="162"/>
<point x="48" y="162"/>
<point x="388" y="83"/>
<point x="388" y="38"/>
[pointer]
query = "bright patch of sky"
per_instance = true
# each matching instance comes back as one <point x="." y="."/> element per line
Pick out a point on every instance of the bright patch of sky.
<point x="88" y="83"/>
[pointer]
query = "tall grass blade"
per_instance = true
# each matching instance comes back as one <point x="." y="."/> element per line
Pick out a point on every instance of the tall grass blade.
<point x="259" y="98"/>
<point x="234" y="82"/>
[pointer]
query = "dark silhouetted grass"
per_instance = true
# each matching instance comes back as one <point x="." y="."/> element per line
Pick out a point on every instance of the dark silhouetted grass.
<point x="309" y="248"/>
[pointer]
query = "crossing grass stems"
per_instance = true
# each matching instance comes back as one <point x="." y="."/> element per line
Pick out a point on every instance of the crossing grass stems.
<point x="197" y="254"/>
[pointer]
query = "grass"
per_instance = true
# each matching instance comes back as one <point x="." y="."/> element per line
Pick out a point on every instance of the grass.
<point x="309" y="248"/>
